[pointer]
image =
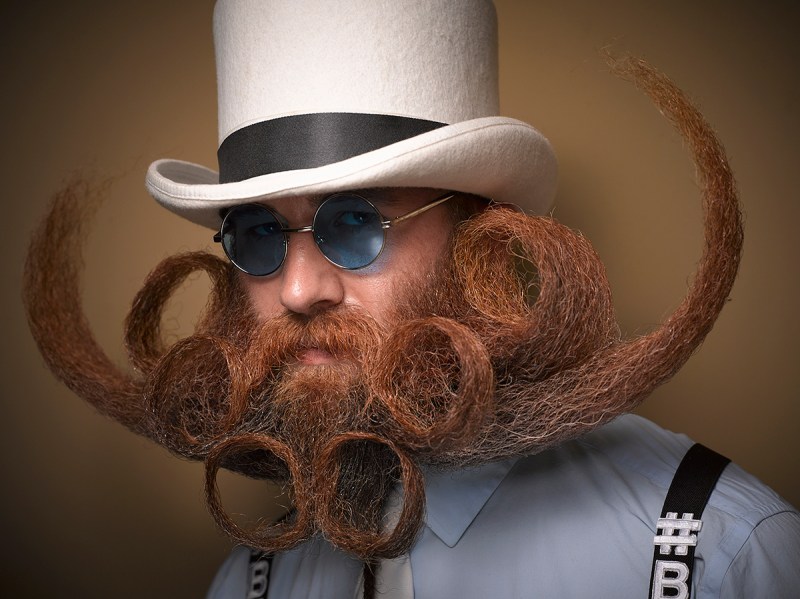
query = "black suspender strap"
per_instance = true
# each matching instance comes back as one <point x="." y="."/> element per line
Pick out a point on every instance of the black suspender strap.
<point x="260" y="567"/>
<point x="673" y="557"/>
<point x="258" y="571"/>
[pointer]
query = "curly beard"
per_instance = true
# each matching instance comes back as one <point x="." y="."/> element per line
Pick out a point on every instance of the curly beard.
<point x="507" y="347"/>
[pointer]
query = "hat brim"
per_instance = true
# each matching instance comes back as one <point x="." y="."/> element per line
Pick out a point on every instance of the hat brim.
<point x="495" y="157"/>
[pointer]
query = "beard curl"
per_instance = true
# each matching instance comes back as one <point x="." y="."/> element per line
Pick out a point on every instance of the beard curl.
<point x="433" y="379"/>
<point x="509" y="347"/>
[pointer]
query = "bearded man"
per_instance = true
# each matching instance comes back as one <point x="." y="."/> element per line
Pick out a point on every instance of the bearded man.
<point x="433" y="374"/>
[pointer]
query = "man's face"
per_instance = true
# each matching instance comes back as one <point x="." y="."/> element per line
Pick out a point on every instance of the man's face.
<point x="307" y="284"/>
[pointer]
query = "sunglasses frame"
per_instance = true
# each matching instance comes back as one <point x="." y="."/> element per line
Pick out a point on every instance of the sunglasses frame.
<point x="386" y="223"/>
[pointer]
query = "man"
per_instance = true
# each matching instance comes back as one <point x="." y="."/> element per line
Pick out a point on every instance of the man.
<point x="370" y="342"/>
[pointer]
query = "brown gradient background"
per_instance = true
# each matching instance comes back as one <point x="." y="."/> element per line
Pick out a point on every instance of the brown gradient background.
<point x="89" y="510"/>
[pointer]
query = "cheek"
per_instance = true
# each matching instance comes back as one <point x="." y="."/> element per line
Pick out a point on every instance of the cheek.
<point x="402" y="270"/>
<point x="425" y="245"/>
<point x="372" y="292"/>
<point x="262" y="294"/>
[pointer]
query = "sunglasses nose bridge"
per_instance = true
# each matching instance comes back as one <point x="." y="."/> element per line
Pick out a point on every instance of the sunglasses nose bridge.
<point x="306" y="229"/>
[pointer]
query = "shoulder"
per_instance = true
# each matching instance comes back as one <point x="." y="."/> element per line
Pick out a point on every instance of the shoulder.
<point x="243" y="574"/>
<point x="313" y="569"/>
<point x="616" y="479"/>
<point x="632" y="447"/>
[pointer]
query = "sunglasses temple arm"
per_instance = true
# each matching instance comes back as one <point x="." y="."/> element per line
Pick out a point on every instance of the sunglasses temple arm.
<point x="433" y="204"/>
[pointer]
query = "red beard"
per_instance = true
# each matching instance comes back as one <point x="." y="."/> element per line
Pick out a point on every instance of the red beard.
<point x="486" y="361"/>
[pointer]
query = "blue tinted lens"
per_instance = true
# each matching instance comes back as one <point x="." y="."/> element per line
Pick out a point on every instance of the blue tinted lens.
<point x="348" y="231"/>
<point x="253" y="240"/>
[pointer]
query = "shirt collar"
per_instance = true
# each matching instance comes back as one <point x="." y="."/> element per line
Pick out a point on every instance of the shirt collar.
<point x="455" y="497"/>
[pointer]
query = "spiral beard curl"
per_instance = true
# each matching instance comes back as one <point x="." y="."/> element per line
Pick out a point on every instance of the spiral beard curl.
<point x="509" y="348"/>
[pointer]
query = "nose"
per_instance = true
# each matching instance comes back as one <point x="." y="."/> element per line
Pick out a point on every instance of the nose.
<point x="309" y="283"/>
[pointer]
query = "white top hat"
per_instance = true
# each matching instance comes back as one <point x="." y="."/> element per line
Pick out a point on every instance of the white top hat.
<point x="318" y="96"/>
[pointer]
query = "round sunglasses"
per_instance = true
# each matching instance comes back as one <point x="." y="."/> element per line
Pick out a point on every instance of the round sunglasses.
<point x="347" y="228"/>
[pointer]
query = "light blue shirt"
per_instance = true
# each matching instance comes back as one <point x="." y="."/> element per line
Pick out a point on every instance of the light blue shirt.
<point x="574" y="521"/>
